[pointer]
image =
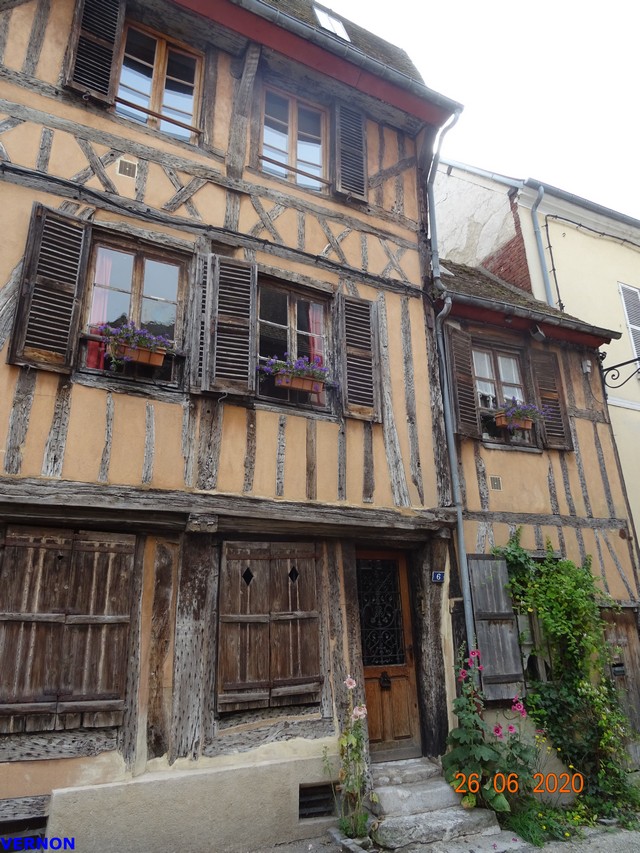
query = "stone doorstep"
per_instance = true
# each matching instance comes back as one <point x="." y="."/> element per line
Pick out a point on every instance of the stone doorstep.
<point x="432" y="795"/>
<point x="502" y="842"/>
<point x="402" y="831"/>
<point x="404" y="772"/>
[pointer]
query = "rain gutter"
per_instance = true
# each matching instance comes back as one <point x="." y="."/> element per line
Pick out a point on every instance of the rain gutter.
<point x="452" y="451"/>
<point x="541" y="256"/>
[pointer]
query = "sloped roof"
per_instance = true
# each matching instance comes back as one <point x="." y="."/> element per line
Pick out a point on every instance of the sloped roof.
<point x="484" y="290"/>
<point x="370" y="44"/>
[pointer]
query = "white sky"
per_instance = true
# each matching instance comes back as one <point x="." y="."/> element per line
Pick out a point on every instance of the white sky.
<point x="550" y="88"/>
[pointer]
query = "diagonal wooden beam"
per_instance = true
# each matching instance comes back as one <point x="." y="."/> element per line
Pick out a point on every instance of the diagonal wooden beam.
<point x="184" y="195"/>
<point x="394" y="260"/>
<point x="179" y="186"/>
<point x="97" y="164"/>
<point x="334" y="242"/>
<point x="267" y="219"/>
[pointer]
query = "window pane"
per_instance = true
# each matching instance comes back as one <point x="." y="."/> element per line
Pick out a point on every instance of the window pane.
<point x="482" y="364"/>
<point x="159" y="317"/>
<point x="486" y="394"/>
<point x="181" y="68"/>
<point x="509" y="369"/>
<point x="309" y="124"/>
<point x="141" y="46"/>
<point x="109" y="306"/>
<point x="276" y="111"/>
<point x="273" y="306"/>
<point x="511" y="391"/>
<point x="311" y="346"/>
<point x="273" y="341"/>
<point x="310" y="316"/>
<point x="137" y="74"/>
<point x="161" y="280"/>
<point x="114" y="269"/>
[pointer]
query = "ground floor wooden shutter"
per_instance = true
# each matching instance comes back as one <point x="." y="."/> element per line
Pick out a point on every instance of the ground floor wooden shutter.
<point x="496" y="628"/>
<point x="65" y="601"/>
<point x="269" y="634"/>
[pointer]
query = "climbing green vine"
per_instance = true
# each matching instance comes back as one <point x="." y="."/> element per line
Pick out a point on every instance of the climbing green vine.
<point x="577" y="707"/>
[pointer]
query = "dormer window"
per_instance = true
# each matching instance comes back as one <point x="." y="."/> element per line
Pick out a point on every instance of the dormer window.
<point x="328" y="22"/>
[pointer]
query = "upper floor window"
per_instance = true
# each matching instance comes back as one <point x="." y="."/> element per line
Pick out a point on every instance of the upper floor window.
<point x="158" y="84"/>
<point x="631" y="301"/>
<point x="485" y="377"/>
<point x="294" y="141"/>
<point x="328" y="21"/>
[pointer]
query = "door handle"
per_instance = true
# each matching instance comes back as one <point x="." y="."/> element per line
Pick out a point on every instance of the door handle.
<point x="385" y="681"/>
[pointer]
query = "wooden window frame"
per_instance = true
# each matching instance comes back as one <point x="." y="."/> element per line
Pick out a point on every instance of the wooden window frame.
<point x="154" y="112"/>
<point x="291" y="166"/>
<point x="298" y="399"/>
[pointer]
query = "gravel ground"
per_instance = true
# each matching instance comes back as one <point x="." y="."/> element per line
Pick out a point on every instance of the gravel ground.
<point x="596" y="841"/>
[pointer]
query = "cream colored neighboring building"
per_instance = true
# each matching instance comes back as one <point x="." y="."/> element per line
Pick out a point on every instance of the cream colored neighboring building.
<point x="584" y="260"/>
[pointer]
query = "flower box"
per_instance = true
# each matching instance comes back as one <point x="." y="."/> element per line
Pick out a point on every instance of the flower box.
<point x="143" y="355"/>
<point x="503" y="420"/>
<point x="299" y="383"/>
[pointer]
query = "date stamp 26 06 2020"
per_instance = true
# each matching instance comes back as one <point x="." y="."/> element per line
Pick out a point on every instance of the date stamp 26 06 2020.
<point x="544" y="783"/>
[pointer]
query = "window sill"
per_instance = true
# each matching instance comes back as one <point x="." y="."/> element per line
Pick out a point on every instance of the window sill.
<point x="324" y="193"/>
<point x="521" y="448"/>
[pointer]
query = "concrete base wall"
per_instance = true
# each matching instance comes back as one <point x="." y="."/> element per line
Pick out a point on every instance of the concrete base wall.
<point x="215" y="810"/>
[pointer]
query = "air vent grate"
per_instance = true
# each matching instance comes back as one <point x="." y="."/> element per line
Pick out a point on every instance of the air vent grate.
<point x="127" y="168"/>
<point x="496" y="483"/>
<point x="316" y="801"/>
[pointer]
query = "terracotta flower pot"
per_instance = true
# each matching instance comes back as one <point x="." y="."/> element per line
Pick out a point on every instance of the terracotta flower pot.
<point x="299" y="383"/>
<point x="155" y="358"/>
<point x="515" y="423"/>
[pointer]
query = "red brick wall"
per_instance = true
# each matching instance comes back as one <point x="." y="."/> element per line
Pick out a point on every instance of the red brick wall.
<point x="509" y="262"/>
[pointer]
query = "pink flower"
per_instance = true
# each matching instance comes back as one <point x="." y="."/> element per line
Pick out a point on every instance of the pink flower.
<point x="511" y="729"/>
<point x="523" y="713"/>
<point x="517" y="706"/>
<point x="474" y="653"/>
<point x="497" y="730"/>
<point x="470" y="662"/>
<point x="349" y="682"/>
<point x="480" y="667"/>
<point x="359" y="712"/>
<point x="462" y="674"/>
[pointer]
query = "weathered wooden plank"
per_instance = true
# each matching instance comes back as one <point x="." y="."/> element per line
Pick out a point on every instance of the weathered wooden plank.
<point x="603" y="471"/>
<point x="300" y="218"/>
<point x="618" y="565"/>
<point x="342" y="461"/>
<point x="97" y="165"/>
<point x="19" y="419"/>
<point x="24" y="808"/>
<point x="188" y="440"/>
<point x="36" y="37"/>
<point x="178" y="185"/>
<point x="194" y="656"/>
<point x="392" y="445"/>
<point x="567" y="483"/>
<point x="184" y="196"/>
<point x="159" y="706"/>
<point x="56" y="442"/>
<point x="333" y="241"/>
<point x="266" y="220"/>
<point x="394" y="260"/>
<point x="128" y="732"/>
<point x="383" y="175"/>
<point x="280" y="454"/>
<point x="70" y="744"/>
<point x="340" y="663"/>
<point x="379" y="191"/>
<point x="149" y="444"/>
<point x="8" y="300"/>
<point x="368" y="474"/>
<point x="603" y="572"/>
<point x="398" y="205"/>
<point x="105" y="460"/>
<point x="481" y="477"/>
<point x="232" y="211"/>
<point x="208" y="103"/>
<point x="9" y="123"/>
<point x="44" y="151"/>
<point x="311" y="456"/>
<point x="209" y="439"/>
<point x="539" y="538"/>
<point x="142" y="173"/>
<point x="427" y="608"/>
<point x="236" y="150"/>
<point x="250" y="452"/>
<point x="410" y="400"/>
<point x="5" y="18"/>
<point x="577" y="454"/>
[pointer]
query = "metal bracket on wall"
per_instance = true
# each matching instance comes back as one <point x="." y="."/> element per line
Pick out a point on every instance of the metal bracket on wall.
<point x="611" y="374"/>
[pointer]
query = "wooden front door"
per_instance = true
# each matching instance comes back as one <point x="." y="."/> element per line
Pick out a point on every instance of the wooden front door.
<point x="622" y="635"/>
<point x="387" y="652"/>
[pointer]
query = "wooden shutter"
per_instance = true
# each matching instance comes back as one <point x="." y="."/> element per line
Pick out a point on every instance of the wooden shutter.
<point x="96" y="629"/>
<point x="269" y="632"/>
<point x="64" y="626"/>
<point x="95" y="48"/>
<point x="496" y="628"/>
<point x="360" y="369"/>
<point x="243" y="647"/>
<point x="202" y="338"/>
<point x="232" y="361"/>
<point x="351" y="155"/>
<point x="463" y="389"/>
<point x="554" y="428"/>
<point x="631" y="300"/>
<point x="45" y="331"/>
<point x="295" y="626"/>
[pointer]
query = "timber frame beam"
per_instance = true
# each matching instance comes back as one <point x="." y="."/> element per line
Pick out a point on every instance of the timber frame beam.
<point x="55" y="502"/>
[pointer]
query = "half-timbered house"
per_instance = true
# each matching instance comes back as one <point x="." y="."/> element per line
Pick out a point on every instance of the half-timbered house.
<point x="194" y="557"/>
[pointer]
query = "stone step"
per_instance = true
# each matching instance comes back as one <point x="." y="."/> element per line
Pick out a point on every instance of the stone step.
<point x="501" y="842"/>
<point x="405" y="831"/>
<point x="404" y="772"/>
<point x="418" y="797"/>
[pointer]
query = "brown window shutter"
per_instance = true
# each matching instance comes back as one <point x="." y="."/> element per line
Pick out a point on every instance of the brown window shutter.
<point x="463" y="388"/>
<point x="95" y="48"/>
<point x="546" y="375"/>
<point x="232" y="362"/>
<point x="96" y="630"/>
<point x="243" y="648"/>
<point x="202" y="341"/>
<point x="45" y="331"/>
<point x="360" y="364"/>
<point x="295" y="626"/>
<point x="351" y="155"/>
<point x="496" y="628"/>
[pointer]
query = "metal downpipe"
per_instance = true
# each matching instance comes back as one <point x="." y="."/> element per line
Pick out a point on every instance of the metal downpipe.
<point x="538" y="233"/>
